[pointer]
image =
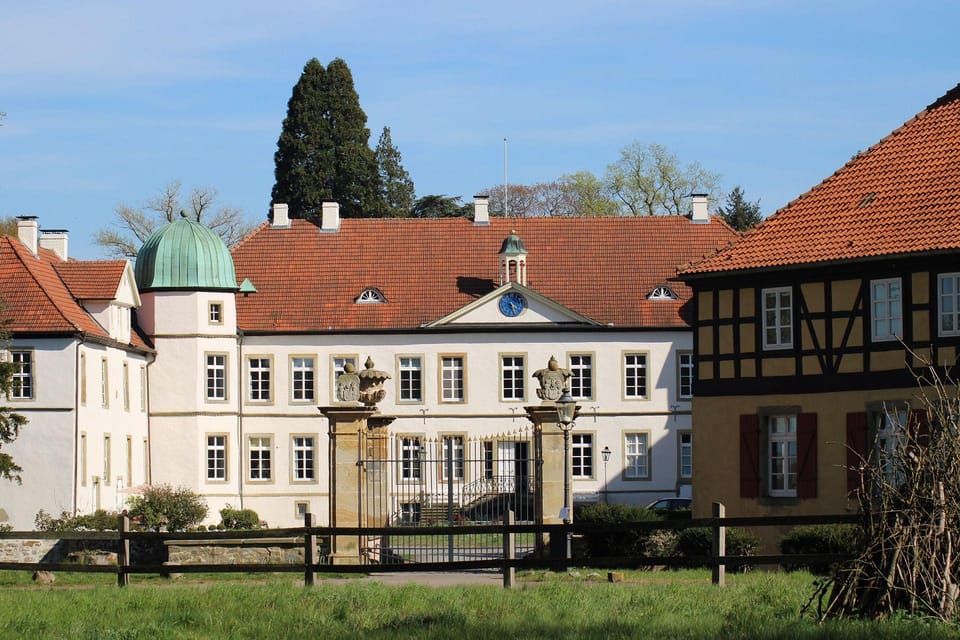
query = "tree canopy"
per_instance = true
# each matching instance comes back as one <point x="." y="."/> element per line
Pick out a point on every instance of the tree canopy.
<point x="396" y="187"/>
<point x="440" y="206"/>
<point x="132" y="226"/>
<point x="740" y="213"/>
<point x="323" y="152"/>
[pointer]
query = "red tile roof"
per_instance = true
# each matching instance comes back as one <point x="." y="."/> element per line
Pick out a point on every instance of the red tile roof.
<point x="899" y="197"/>
<point x="602" y="268"/>
<point x="93" y="279"/>
<point x="37" y="300"/>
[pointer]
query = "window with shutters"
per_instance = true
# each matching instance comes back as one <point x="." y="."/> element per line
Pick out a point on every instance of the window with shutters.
<point x="778" y="454"/>
<point x="875" y="436"/>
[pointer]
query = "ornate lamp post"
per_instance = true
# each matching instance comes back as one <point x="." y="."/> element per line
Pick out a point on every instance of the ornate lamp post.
<point x="566" y="411"/>
<point x="606" y="458"/>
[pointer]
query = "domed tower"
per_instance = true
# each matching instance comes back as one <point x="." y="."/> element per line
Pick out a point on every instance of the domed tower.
<point x="187" y="283"/>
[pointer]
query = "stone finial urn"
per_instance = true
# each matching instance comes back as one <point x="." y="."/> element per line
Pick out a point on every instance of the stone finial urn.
<point x="553" y="380"/>
<point x="348" y="384"/>
<point x="371" y="384"/>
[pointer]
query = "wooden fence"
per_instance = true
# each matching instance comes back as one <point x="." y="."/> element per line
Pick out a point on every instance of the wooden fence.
<point x="507" y="562"/>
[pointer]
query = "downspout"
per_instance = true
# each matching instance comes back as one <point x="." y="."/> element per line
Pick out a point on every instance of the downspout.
<point x="76" y="419"/>
<point x="147" y="395"/>
<point x="239" y="376"/>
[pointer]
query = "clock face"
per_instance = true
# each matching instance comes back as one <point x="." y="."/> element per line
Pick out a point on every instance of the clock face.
<point x="512" y="304"/>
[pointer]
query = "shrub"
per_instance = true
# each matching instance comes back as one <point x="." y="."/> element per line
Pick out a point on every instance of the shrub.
<point x="239" y="518"/>
<point x="99" y="520"/>
<point x="619" y="543"/>
<point x="166" y="506"/>
<point x="824" y="538"/>
<point x="697" y="542"/>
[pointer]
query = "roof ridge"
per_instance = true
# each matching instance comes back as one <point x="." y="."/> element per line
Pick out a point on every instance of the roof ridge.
<point x="946" y="98"/>
<point x="17" y="248"/>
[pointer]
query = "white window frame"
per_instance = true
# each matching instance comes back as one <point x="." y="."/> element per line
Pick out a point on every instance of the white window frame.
<point x="143" y="389"/>
<point x="107" y="458"/>
<point x="259" y="379"/>
<point x="636" y="455"/>
<point x="459" y="465"/>
<point x="126" y="386"/>
<point x="953" y="297"/>
<point x="782" y="455"/>
<point x="411" y="457"/>
<point x="303" y="463"/>
<point x="581" y="456"/>
<point x="685" y="375"/>
<point x="886" y="309"/>
<point x="216" y="457"/>
<point x="777" y="317"/>
<point x="104" y="383"/>
<point x="581" y="376"/>
<point x="636" y="370"/>
<point x="216" y="377"/>
<point x="215" y="312"/>
<point x="303" y="378"/>
<point x="410" y="378"/>
<point x="453" y="377"/>
<point x="512" y="378"/>
<point x="260" y="458"/>
<point x="22" y="387"/>
<point x="685" y="455"/>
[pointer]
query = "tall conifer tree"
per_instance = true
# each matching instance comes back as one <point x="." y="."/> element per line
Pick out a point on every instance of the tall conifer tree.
<point x="323" y="152"/>
<point x="396" y="187"/>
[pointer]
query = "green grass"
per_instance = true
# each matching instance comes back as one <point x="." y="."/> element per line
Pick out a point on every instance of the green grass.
<point x="679" y="604"/>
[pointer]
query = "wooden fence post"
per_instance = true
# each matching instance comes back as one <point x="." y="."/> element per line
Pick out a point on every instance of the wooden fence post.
<point x="508" y="550"/>
<point x="719" y="546"/>
<point x="308" y="547"/>
<point x="123" y="552"/>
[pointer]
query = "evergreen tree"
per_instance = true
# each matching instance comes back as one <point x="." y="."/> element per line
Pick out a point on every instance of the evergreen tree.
<point x="396" y="187"/>
<point x="323" y="152"/>
<point x="441" y="206"/>
<point x="740" y="213"/>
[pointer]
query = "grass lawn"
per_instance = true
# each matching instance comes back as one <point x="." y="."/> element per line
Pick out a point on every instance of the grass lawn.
<point x="681" y="604"/>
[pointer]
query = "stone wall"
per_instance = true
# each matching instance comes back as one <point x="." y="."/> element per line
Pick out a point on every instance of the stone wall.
<point x="51" y="550"/>
<point x="237" y="551"/>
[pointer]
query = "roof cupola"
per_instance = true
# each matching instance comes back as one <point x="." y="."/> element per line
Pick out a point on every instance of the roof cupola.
<point x="513" y="260"/>
<point x="185" y="255"/>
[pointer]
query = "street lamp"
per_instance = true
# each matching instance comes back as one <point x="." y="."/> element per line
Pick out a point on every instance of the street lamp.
<point x="566" y="412"/>
<point x="606" y="458"/>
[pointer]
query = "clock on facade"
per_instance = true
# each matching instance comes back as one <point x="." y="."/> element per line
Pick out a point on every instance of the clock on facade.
<point x="512" y="303"/>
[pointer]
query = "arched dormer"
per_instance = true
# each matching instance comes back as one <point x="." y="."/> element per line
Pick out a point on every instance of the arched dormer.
<point x="513" y="260"/>
<point x="370" y="295"/>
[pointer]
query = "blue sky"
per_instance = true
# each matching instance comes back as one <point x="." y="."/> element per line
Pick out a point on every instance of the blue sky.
<point x="107" y="102"/>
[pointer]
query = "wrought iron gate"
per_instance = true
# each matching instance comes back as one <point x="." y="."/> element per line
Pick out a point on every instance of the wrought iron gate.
<point x="411" y="480"/>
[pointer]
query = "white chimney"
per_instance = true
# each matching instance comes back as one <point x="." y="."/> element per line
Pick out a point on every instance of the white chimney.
<point x="27" y="231"/>
<point x="330" y="217"/>
<point x="700" y="213"/>
<point x="481" y="209"/>
<point x="281" y="216"/>
<point x="55" y="240"/>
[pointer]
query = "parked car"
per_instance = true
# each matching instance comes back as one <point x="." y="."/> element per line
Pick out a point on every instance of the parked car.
<point x="670" y="504"/>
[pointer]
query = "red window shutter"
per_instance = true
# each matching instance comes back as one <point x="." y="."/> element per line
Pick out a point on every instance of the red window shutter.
<point x="807" y="455"/>
<point x="749" y="456"/>
<point x="856" y="447"/>
<point x="920" y="426"/>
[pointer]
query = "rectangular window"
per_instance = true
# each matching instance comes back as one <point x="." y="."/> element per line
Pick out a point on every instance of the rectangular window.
<point x="129" y="460"/>
<point x="303" y="455"/>
<point x="948" y="285"/>
<point x="216" y="377"/>
<point x="83" y="379"/>
<point x="886" y="310"/>
<point x="216" y="313"/>
<point x="637" y="458"/>
<point x="684" y="375"/>
<point x="126" y="387"/>
<point x="104" y="384"/>
<point x="582" y="454"/>
<point x="512" y="379"/>
<point x="106" y="459"/>
<point x="456" y="444"/>
<point x="685" y="446"/>
<point x="22" y="388"/>
<point x="887" y="423"/>
<point x="411" y="379"/>
<point x="301" y="509"/>
<point x="777" y="318"/>
<point x="409" y="513"/>
<point x="217" y="458"/>
<point x="411" y="450"/>
<point x="302" y="383"/>
<point x="635" y="376"/>
<point x="146" y="461"/>
<point x="260" y="452"/>
<point x="143" y="389"/>
<point x="451" y="375"/>
<point x="488" y="459"/>
<point x="339" y="362"/>
<point x="83" y="459"/>
<point x="782" y="455"/>
<point x="259" y="372"/>
<point x="581" y="376"/>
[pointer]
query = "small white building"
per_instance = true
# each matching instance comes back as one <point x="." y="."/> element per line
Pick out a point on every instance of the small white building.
<point x="82" y="382"/>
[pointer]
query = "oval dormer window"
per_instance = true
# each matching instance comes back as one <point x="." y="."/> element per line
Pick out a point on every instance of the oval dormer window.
<point x="662" y="292"/>
<point x="370" y="296"/>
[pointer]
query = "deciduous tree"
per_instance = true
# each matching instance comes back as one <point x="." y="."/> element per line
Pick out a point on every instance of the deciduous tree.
<point x="10" y="421"/>
<point x="132" y="225"/>
<point x="649" y="180"/>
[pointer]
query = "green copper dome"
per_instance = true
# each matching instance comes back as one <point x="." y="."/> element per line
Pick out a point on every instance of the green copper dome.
<point x="512" y="245"/>
<point x="185" y="255"/>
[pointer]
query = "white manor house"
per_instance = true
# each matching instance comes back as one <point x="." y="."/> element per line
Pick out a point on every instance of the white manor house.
<point x="205" y="367"/>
